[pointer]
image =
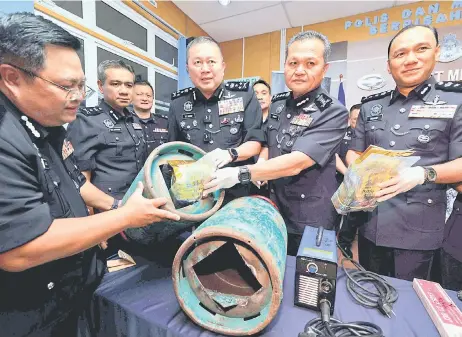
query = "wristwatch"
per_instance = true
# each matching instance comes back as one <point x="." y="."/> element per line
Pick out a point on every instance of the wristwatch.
<point x="244" y="175"/>
<point x="430" y="174"/>
<point x="234" y="155"/>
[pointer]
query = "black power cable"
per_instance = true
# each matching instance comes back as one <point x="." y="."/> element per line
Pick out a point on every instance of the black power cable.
<point x="331" y="327"/>
<point x="383" y="298"/>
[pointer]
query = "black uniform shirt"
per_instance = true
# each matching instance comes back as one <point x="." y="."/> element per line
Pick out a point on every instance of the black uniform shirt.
<point x="109" y="145"/>
<point x="313" y="124"/>
<point x="40" y="183"/>
<point x="429" y="121"/>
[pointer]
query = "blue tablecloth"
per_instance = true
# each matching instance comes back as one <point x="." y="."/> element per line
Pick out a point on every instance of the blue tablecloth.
<point x="140" y="302"/>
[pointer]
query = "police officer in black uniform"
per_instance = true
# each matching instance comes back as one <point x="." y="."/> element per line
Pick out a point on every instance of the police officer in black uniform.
<point x="401" y="236"/>
<point x="226" y="118"/>
<point x="155" y="126"/>
<point x="108" y="139"/>
<point x="305" y="127"/>
<point x="451" y="252"/>
<point x="49" y="259"/>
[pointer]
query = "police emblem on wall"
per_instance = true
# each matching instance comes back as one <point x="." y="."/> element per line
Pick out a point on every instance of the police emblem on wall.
<point x="451" y="48"/>
<point x="187" y="106"/>
<point x="371" y="82"/>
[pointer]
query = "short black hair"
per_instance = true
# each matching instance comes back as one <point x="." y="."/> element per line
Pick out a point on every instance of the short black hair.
<point x="112" y="64"/>
<point x="24" y="36"/>
<point x="144" y="83"/>
<point x="433" y="29"/>
<point x="264" y="83"/>
<point x="355" y="106"/>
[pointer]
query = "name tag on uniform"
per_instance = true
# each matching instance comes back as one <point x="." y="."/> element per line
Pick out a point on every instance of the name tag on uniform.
<point x="275" y="116"/>
<point x="136" y="126"/>
<point x="230" y="106"/>
<point x="68" y="149"/>
<point x="191" y="115"/>
<point x="302" y="120"/>
<point x="160" y="130"/>
<point x="433" y="111"/>
<point x="115" y="130"/>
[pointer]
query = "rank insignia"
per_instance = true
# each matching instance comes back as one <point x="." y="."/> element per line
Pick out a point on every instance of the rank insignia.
<point x="302" y="120"/>
<point x="230" y="106"/>
<point x="67" y="150"/>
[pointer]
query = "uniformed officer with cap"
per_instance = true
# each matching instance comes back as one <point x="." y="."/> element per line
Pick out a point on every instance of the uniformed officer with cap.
<point x="155" y="126"/>
<point x="49" y="259"/>
<point x="226" y="118"/>
<point x="401" y="236"/>
<point x="451" y="252"/>
<point x="108" y="139"/>
<point x="305" y="127"/>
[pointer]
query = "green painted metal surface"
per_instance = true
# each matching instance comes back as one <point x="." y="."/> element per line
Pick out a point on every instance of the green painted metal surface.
<point x="259" y="227"/>
<point x="161" y="230"/>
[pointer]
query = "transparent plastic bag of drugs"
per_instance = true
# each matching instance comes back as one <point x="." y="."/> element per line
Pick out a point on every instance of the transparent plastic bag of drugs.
<point x="188" y="178"/>
<point x="360" y="183"/>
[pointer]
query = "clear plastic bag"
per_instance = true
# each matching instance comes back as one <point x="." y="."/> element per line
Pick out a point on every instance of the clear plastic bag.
<point x="360" y="183"/>
<point x="188" y="180"/>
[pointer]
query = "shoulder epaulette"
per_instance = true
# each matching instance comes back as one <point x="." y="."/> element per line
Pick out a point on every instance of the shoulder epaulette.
<point x="449" y="86"/>
<point x="182" y="92"/>
<point x="376" y="96"/>
<point x="91" y="111"/>
<point x="282" y="95"/>
<point x="237" y="85"/>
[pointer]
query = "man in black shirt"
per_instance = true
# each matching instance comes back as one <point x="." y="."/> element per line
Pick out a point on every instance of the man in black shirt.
<point x="155" y="126"/>
<point x="49" y="259"/>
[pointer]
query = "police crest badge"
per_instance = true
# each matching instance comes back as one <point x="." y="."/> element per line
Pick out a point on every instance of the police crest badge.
<point x="108" y="123"/>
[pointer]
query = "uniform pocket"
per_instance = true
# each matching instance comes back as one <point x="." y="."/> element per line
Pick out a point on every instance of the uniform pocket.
<point x="424" y="134"/>
<point x="374" y="130"/>
<point x="426" y="211"/>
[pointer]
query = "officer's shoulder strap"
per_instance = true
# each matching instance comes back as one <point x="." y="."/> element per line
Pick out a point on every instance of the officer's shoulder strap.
<point x="237" y="85"/>
<point x="376" y="96"/>
<point x="282" y="95"/>
<point x="91" y="111"/>
<point x="181" y="92"/>
<point x="449" y="86"/>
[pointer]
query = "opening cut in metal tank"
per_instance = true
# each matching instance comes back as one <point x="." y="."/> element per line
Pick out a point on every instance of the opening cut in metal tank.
<point x="228" y="274"/>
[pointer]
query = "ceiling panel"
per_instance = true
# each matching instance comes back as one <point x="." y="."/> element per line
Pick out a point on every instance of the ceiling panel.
<point x="208" y="11"/>
<point x="248" y="24"/>
<point x="243" y="18"/>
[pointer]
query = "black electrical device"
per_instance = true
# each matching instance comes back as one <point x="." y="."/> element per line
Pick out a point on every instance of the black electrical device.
<point x="316" y="269"/>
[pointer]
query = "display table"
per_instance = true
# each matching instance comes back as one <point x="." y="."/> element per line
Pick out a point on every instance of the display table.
<point x="140" y="302"/>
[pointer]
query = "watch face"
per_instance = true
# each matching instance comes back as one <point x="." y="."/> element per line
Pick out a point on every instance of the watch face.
<point x="431" y="175"/>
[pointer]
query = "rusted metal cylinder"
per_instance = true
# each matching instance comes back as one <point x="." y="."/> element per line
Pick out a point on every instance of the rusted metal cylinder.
<point x="228" y="274"/>
<point x="155" y="186"/>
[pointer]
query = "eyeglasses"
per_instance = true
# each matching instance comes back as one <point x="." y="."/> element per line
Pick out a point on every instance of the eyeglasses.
<point x="73" y="94"/>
